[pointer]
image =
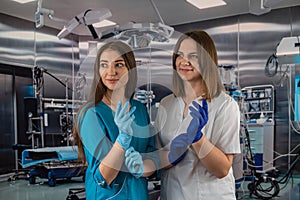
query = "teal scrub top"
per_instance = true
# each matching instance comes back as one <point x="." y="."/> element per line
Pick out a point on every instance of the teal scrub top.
<point x="98" y="133"/>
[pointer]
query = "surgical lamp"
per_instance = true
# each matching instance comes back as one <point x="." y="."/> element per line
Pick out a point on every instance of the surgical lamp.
<point x="88" y="18"/>
<point x="139" y="35"/>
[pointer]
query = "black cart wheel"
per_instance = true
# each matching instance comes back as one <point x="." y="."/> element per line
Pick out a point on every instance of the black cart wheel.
<point x="51" y="182"/>
<point x="31" y="179"/>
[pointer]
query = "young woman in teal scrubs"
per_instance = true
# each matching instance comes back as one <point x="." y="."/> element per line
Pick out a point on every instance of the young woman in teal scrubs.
<point x="112" y="130"/>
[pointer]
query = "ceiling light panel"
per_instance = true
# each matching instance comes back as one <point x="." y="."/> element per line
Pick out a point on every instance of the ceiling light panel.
<point x="202" y="4"/>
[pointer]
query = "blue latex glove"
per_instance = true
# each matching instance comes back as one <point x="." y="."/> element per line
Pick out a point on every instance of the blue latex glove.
<point x="200" y="118"/>
<point x="134" y="162"/>
<point x="124" y="140"/>
<point x="178" y="148"/>
<point x="180" y="143"/>
<point x="123" y="120"/>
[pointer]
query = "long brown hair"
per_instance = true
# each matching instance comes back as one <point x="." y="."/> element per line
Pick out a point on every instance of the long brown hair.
<point x="98" y="89"/>
<point x="208" y="63"/>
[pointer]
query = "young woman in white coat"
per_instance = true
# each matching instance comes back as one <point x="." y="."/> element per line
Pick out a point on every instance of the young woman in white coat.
<point x="198" y="125"/>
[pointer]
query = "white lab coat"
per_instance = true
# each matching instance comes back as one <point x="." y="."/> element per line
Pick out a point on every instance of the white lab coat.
<point x="189" y="179"/>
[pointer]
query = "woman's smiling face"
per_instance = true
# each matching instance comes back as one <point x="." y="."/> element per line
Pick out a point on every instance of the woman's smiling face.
<point x="187" y="64"/>
<point x="113" y="70"/>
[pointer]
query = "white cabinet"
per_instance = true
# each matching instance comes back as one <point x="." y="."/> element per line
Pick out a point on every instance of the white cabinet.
<point x="262" y="145"/>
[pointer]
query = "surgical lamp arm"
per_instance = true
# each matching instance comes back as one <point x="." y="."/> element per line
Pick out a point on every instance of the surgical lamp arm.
<point x="87" y="18"/>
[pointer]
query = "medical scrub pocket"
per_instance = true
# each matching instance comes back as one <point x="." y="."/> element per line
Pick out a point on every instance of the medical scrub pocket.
<point x="113" y="191"/>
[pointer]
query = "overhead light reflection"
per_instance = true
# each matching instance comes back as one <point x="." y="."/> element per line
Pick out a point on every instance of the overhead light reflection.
<point x="206" y="3"/>
<point x="23" y="1"/>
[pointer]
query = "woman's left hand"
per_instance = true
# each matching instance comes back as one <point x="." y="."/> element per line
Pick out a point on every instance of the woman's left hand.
<point x="134" y="162"/>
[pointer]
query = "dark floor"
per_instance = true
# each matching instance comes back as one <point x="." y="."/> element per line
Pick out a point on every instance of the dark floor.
<point x="22" y="190"/>
<point x="288" y="191"/>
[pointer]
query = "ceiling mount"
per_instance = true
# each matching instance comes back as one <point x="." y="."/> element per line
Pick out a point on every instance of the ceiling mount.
<point x="259" y="7"/>
<point x="39" y="15"/>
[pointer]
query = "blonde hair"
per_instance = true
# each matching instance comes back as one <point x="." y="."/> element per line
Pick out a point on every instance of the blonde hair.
<point x="208" y="63"/>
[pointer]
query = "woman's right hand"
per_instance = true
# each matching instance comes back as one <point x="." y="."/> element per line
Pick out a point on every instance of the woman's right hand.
<point x="200" y="117"/>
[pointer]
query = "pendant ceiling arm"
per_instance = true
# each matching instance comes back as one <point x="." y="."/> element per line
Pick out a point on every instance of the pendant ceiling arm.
<point x="157" y="12"/>
<point x="87" y="18"/>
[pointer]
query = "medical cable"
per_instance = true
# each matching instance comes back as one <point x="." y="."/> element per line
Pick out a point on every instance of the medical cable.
<point x="271" y="161"/>
<point x="258" y="183"/>
<point x="255" y="186"/>
<point x="44" y="70"/>
<point x="272" y="64"/>
<point x="276" y="158"/>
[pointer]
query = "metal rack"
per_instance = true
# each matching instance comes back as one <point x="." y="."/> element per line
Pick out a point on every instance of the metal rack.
<point x="38" y="122"/>
<point x="259" y="111"/>
<point x="259" y="99"/>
